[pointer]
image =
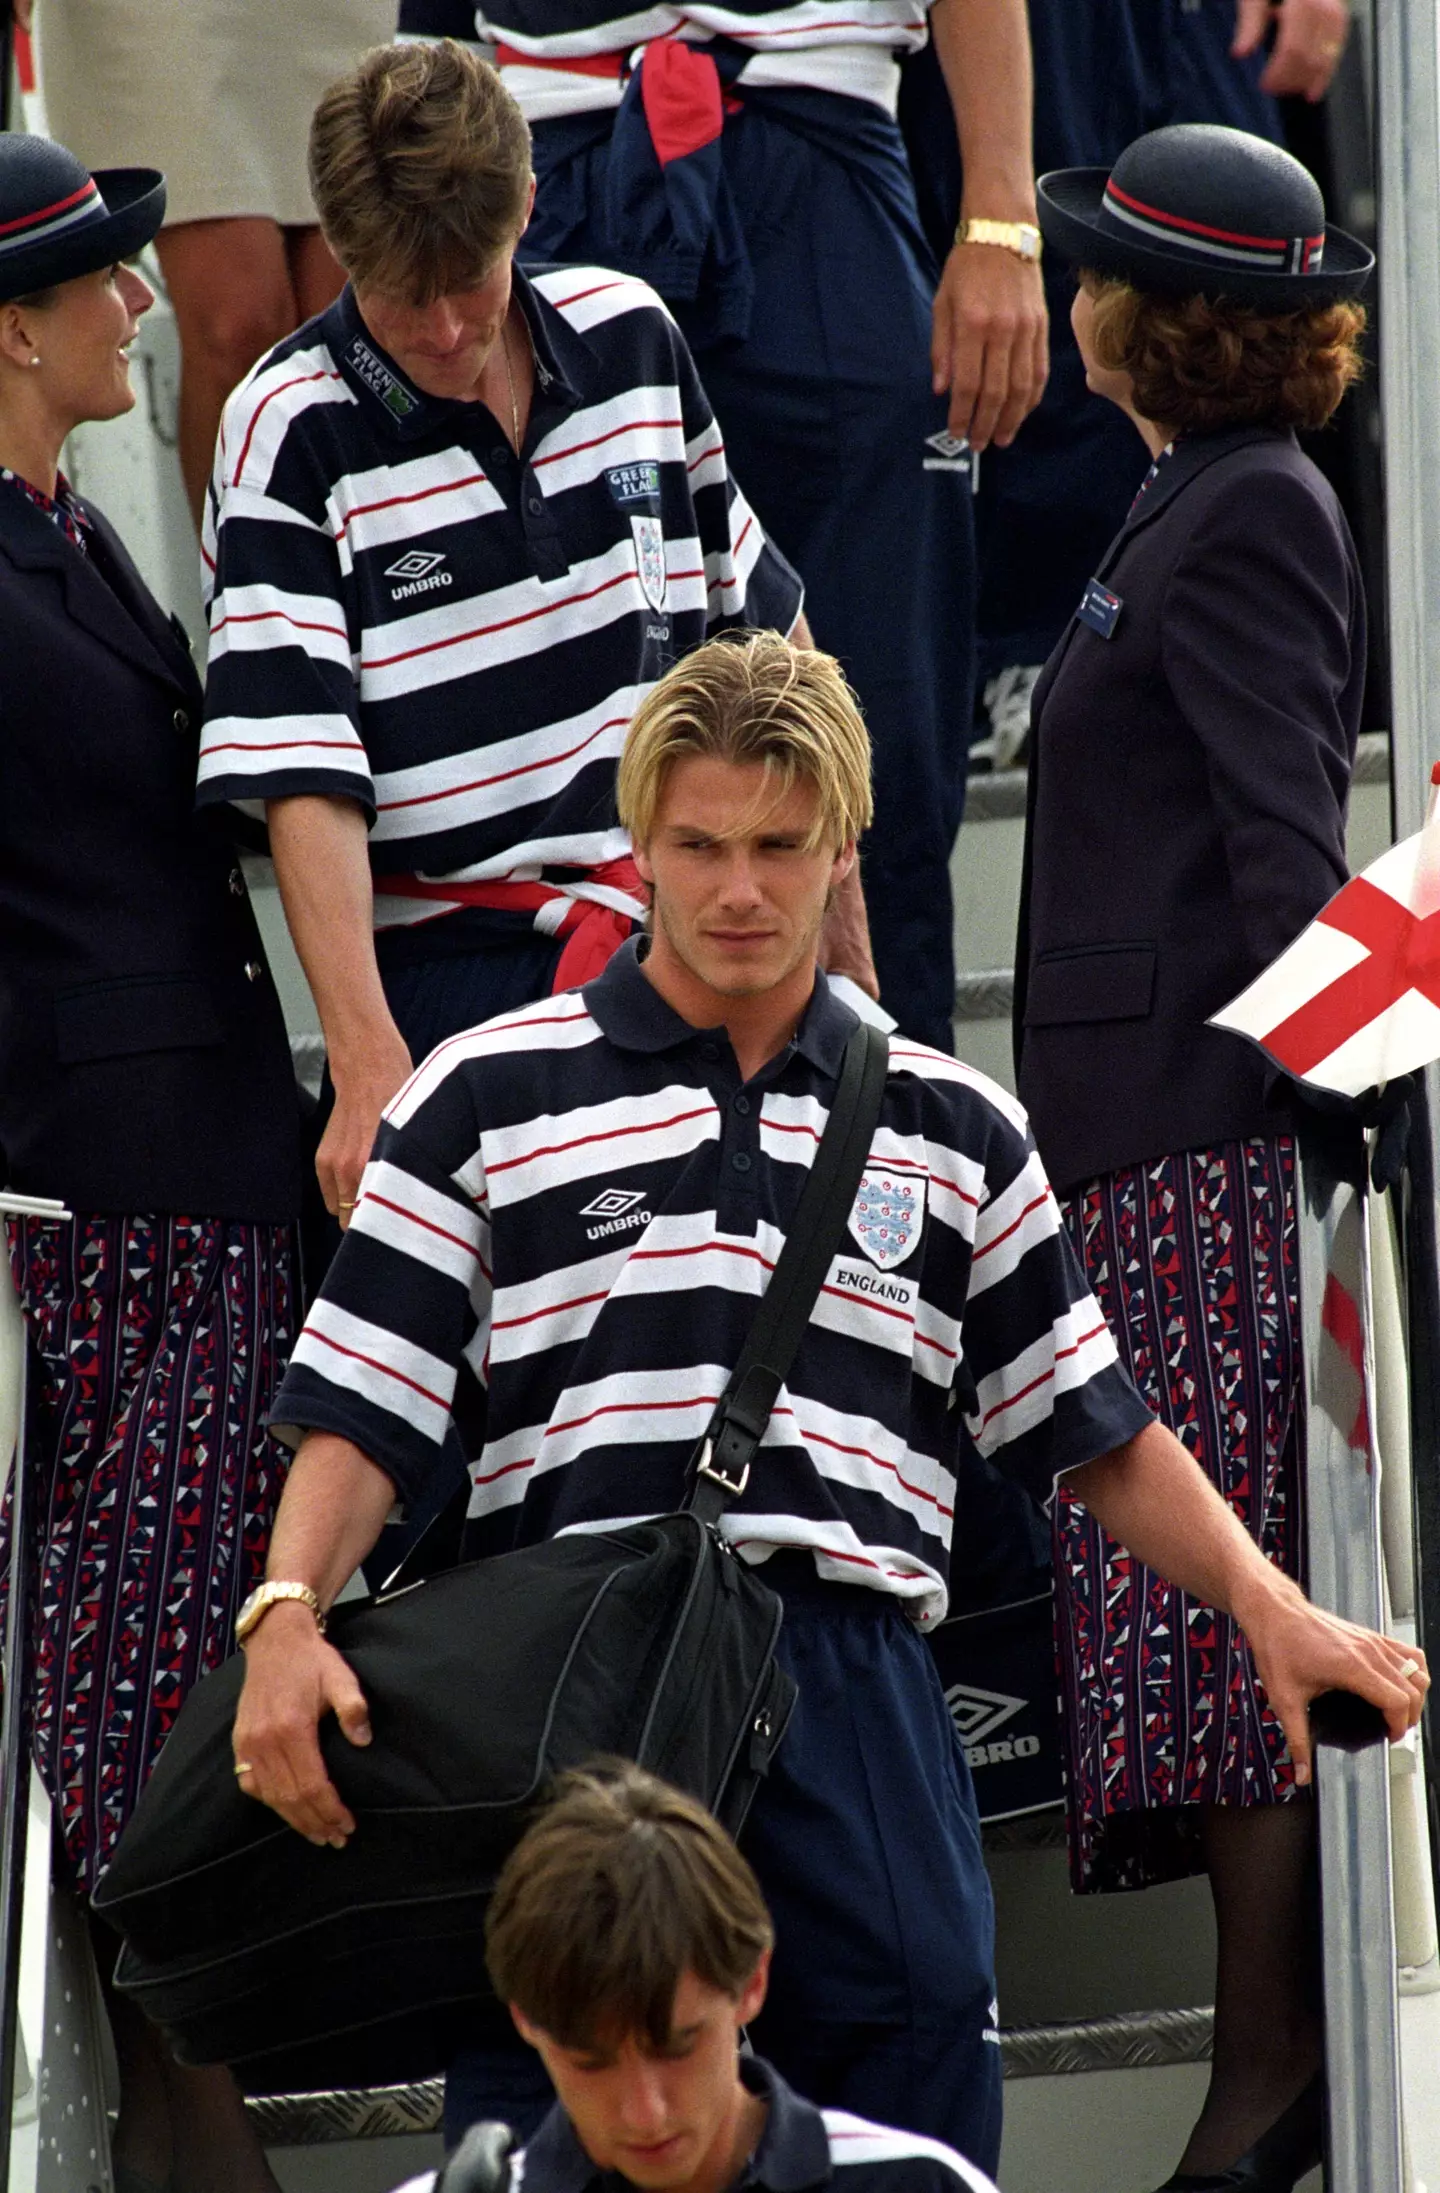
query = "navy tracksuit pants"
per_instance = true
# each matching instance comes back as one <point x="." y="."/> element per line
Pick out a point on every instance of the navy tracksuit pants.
<point x="1105" y="72"/>
<point x="827" y="415"/>
<point x="867" y="1846"/>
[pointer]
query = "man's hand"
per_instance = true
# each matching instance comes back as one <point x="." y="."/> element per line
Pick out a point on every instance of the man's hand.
<point x="323" y="869"/>
<point x="1310" y="38"/>
<point x="989" y="343"/>
<point x="292" y="1680"/>
<point x="1301" y="1651"/>
<point x="23" y="12"/>
<point x="1154" y="1497"/>
<point x="361" y="1094"/>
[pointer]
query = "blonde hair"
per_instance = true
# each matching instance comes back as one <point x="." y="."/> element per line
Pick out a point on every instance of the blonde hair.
<point x="420" y="170"/>
<point x="754" y="699"/>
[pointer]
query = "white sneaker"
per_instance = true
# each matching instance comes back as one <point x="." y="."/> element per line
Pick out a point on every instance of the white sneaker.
<point x="1006" y="701"/>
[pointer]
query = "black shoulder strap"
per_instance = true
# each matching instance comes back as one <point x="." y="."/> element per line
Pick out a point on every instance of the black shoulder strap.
<point x="721" y="1463"/>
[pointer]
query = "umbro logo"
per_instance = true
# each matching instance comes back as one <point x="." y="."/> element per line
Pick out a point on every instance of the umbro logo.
<point x="978" y="1713"/>
<point x="946" y="452"/>
<point x="419" y="569"/>
<point x="612" y="1201"/>
<point x="616" y="1209"/>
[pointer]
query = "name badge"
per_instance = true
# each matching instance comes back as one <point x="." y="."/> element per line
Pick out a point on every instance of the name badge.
<point x="1100" y="609"/>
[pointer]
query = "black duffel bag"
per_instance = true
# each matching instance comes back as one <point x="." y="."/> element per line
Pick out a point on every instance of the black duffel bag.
<point x="308" y="1967"/>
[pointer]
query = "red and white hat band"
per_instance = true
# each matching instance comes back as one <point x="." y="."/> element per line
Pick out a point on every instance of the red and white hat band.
<point x="1221" y="246"/>
<point x="75" y="211"/>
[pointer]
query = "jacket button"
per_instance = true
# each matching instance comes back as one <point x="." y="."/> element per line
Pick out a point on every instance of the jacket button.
<point x="237" y="884"/>
<point x="182" y="719"/>
<point x="253" y="970"/>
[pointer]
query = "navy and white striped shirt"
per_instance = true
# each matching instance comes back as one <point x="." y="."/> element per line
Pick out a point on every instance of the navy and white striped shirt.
<point x="404" y="613"/>
<point x="800" y="2147"/>
<point x="848" y="46"/>
<point x="563" y="1233"/>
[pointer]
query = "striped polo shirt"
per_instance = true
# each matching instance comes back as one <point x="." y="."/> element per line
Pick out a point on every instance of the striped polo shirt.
<point x="563" y="1234"/>
<point x="404" y="613"/>
<point x="800" y="2147"/>
<point x="549" y="50"/>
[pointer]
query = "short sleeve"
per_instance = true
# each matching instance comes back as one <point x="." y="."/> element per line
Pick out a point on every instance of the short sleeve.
<point x="1042" y="1386"/>
<point x="397" y="1341"/>
<point x="281" y="701"/>
<point x="747" y="581"/>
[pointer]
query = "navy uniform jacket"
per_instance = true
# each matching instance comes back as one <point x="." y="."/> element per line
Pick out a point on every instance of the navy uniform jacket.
<point x="1187" y="797"/>
<point x="144" y="1064"/>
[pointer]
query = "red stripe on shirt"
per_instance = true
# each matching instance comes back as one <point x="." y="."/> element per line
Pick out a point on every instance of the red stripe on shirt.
<point x="613" y="1134"/>
<point x="1035" y="1383"/>
<point x="357" y="1356"/>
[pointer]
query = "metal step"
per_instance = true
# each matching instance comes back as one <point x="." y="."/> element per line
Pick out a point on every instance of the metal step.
<point x="1139" y="2040"/>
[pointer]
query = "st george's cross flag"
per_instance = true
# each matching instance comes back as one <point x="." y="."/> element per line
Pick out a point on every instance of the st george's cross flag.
<point x="1355" y="1000"/>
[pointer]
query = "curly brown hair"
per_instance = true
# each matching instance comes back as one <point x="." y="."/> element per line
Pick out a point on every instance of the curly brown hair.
<point x="1197" y="363"/>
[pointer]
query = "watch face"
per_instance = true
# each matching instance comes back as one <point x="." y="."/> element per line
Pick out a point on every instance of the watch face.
<point x="249" y="1611"/>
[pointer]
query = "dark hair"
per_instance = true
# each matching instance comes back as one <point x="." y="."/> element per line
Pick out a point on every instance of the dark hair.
<point x="37" y="300"/>
<point x="420" y="169"/>
<point x="618" y="1888"/>
<point x="1196" y="363"/>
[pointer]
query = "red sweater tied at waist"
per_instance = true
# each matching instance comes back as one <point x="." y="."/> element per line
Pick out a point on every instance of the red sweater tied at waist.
<point x="593" y="931"/>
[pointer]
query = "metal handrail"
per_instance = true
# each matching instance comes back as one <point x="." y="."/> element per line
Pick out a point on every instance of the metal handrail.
<point x="14" y="1720"/>
<point x="1362" y="2024"/>
<point x="1407" y="142"/>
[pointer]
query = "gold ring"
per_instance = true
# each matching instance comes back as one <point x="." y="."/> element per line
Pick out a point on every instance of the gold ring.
<point x="344" y="1206"/>
<point x="1410" y="1667"/>
<point x="243" y="1766"/>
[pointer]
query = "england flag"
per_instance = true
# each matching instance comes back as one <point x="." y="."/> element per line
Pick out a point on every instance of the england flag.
<point x="1355" y="1000"/>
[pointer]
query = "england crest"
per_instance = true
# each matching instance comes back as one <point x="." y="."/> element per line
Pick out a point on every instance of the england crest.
<point x="887" y="1216"/>
<point x="650" y="559"/>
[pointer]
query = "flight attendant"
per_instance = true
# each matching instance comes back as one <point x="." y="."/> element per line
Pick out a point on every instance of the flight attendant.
<point x="1193" y="735"/>
<point x="145" y="1079"/>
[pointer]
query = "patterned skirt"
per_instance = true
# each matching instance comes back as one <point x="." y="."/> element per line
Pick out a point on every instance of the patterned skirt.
<point x="1193" y="1260"/>
<point x="156" y="1345"/>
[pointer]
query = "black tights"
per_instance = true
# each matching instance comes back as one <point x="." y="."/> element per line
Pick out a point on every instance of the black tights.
<point x="1268" y="2005"/>
<point x="181" y="2129"/>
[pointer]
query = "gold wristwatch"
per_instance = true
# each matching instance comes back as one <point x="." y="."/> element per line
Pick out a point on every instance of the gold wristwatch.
<point x="1021" y="237"/>
<point x="265" y="1596"/>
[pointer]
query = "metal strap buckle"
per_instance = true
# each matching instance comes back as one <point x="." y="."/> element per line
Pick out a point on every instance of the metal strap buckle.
<point x="718" y="1477"/>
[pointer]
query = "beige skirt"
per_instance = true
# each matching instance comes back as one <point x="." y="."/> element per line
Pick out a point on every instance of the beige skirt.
<point x="218" y="93"/>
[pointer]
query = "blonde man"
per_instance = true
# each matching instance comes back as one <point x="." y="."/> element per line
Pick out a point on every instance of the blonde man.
<point x="570" y="1215"/>
<point x="459" y="525"/>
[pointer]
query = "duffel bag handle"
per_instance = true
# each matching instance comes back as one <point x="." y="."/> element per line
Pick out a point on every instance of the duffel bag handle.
<point x="720" y="1466"/>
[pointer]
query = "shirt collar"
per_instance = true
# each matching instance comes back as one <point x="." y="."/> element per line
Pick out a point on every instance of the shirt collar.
<point x="632" y="1014"/>
<point x="794" y="2150"/>
<point x="391" y="398"/>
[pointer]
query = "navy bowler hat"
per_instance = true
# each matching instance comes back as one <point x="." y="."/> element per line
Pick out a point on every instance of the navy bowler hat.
<point x="58" y="220"/>
<point x="1197" y="209"/>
